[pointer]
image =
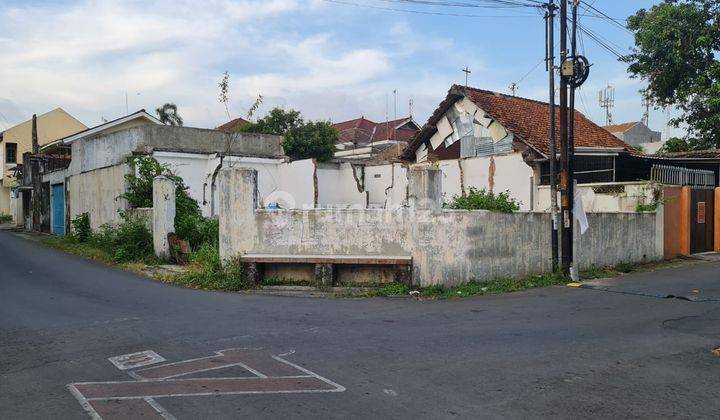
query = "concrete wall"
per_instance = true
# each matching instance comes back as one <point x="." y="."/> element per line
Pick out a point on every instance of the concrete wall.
<point x="97" y="192"/>
<point x="604" y="197"/>
<point x="386" y="185"/>
<point x="340" y="185"/>
<point x="448" y="247"/>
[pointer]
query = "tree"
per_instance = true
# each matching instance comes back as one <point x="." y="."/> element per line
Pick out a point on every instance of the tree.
<point x="675" y="145"/>
<point x="675" y="46"/>
<point x="277" y="121"/>
<point x="168" y="114"/>
<point x="311" y="140"/>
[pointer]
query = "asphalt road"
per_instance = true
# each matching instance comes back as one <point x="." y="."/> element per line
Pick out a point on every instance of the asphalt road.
<point x="556" y="352"/>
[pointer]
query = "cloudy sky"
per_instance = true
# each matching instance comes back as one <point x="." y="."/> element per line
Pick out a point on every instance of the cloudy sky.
<point x="331" y="59"/>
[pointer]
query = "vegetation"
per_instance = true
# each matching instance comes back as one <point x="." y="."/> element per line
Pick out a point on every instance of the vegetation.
<point x="506" y="285"/>
<point x="311" y="140"/>
<point x="129" y="242"/>
<point x="5" y="218"/>
<point x="207" y="272"/>
<point x="675" y="145"/>
<point x="189" y="222"/>
<point x="277" y="121"/>
<point x="676" y="43"/>
<point x="168" y="114"/>
<point x="476" y="199"/>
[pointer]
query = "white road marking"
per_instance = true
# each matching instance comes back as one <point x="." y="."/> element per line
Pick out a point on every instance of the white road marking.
<point x="136" y="360"/>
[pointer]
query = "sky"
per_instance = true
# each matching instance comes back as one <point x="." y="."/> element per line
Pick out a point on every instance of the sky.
<point x="331" y="59"/>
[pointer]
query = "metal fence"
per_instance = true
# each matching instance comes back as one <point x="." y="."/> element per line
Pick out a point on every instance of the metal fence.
<point x="673" y="175"/>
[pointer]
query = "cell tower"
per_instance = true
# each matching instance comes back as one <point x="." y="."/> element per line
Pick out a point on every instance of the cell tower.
<point x="646" y="107"/>
<point x="606" y="98"/>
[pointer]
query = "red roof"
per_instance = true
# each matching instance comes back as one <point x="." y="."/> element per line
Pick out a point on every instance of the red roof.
<point x="233" y="125"/>
<point x="362" y="130"/>
<point x="621" y="128"/>
<point x="527" y="119"/>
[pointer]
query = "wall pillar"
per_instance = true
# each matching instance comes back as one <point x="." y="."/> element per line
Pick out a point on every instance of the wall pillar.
<point x="237" y="201"/>
<point x="425" y="188"/>
<point x="163" y="215"/>
<point x="717" y="220"/>
<point x="685" y="212"/>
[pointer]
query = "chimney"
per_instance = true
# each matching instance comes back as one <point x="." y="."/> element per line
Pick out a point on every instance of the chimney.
<point x="35" y="145"/>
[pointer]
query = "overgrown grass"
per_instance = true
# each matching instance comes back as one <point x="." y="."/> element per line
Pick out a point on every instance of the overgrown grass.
<point x="129" y="242"/>
<point x="5" y="218"/>
<point x="505" y="285"/>
<point x="207" y="272"/>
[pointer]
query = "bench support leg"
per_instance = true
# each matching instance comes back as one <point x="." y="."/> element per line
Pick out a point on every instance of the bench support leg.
<point x="253" y="273"/>
<point x="324" y="276"/>
<point x="403" y="274"/>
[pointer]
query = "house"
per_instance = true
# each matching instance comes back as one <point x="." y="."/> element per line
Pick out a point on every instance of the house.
<point x="638" y="135"/>
<point x="17" y="140"/>
<point x="501" y="142"/>
<point x="90" y="177"/>
<point x="365" y="139"/>
<point x="233" y="125"/>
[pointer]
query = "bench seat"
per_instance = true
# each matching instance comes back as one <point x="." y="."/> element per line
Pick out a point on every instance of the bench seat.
<point x="324" y="265"/>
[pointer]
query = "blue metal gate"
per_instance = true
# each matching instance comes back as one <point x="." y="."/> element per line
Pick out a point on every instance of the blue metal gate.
<point x="58" y="209"/>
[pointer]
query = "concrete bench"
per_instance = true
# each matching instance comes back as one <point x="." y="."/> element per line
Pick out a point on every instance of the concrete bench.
<point x="325" y="265"/>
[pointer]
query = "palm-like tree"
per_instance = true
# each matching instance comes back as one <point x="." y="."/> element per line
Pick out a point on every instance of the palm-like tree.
<point x="168" y="114"/>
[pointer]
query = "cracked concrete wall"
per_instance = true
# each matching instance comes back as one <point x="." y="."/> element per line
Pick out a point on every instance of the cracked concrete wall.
<point x="97" y="193"/>
<point x="448" y="247"/>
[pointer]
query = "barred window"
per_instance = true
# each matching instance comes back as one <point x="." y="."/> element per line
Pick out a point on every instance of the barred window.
<point x="10" y="152"/>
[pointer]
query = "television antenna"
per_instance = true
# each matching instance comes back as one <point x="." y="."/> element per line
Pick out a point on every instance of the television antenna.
<point x="606" y="98"/>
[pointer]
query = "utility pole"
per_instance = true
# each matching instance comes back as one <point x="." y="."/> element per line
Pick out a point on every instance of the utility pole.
<point x="646" y="105"/>
<point x="550" y="66"/>
<point x="35" y="143"/>
<point x="566" y="242"/>
<point x="571" y="144"/>
<point x="467" y="72"/>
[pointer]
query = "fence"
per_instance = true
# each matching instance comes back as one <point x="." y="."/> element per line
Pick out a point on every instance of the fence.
<point x="673" y="175"/>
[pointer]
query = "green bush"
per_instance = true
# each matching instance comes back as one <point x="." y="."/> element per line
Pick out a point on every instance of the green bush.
<point x="5" y="218"/>
<point x="189" y="222"/>
<point x="131" y="241"/>
<point x="483" y="200"/>
<point x="207" y="271"/>
<point x="81" y="231"/>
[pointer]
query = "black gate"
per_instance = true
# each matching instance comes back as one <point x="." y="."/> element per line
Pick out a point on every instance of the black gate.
<point x="702" y="205"/>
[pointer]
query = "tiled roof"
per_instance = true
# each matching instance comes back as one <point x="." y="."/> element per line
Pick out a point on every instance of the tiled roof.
<point x="233" y="125"/>
<point x="527" y="119"/>
<point x="362" y="130"/>
<point x="620" y="128"/>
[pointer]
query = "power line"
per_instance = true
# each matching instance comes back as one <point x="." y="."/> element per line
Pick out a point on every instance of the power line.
<point x="425" y="12"/>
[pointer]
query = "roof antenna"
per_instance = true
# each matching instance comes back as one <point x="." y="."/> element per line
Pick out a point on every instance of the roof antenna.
<point x="513" y="88"/>
<point x="395" y="103"/>
<point x="467" y="72"/>
<point x="606" y="97"/>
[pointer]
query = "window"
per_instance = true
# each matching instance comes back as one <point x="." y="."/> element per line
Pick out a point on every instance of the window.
<point x="10" y="152"/>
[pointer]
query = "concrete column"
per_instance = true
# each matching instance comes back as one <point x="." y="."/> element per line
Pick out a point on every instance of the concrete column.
<point x="717" y="220"/>
<point x="237" y="201"/>
<point x="163" y="215"/>
<point x="425" y="188"/>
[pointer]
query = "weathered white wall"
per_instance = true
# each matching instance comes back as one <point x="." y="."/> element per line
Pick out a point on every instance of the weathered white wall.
<point x="634" y="193"/>
<point x="386" y="185"/>
<point x="340" y="185"/>
<point x="448" y="247"/>
<point x="510" y="173"/>
<point x="97" y="192"/>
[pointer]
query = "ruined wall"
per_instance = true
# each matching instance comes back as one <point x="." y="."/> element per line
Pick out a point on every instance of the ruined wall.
<point x="448" y="247"/>
<point x="97" y="192"/>
<point x="340" y="185"/>
<point x="604" y="197"/>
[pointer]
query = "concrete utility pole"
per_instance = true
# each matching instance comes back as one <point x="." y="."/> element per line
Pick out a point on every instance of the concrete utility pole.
<point x="35" y="143"/>
<point x="566" y="241"/>
<point x="550" y="66"/>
